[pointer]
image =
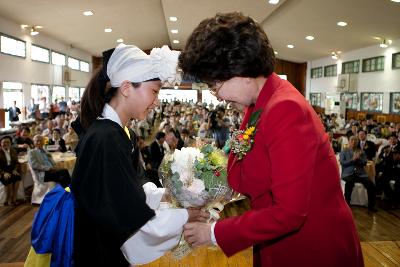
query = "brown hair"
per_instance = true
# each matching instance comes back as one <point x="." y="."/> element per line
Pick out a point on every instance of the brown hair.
<point x="226" y="46"/>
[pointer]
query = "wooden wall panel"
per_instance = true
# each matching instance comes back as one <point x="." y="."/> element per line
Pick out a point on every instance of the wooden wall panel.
<point x="379" y="117"/>
<point x="295" y="72"/>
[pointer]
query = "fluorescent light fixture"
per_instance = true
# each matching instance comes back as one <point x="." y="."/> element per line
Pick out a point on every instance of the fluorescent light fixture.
<point x="310" y="37"/>
<point x="88" y="13"/>
<point x="275" y="52"/>
<point x="34" y="32"/>
<point x="335" y="56"/>
<point x="38" y="27"/>
<point x="339" y="52"/>
<point x="342" y="23"/>
<point x="23" y="26"/>
<point x="107" y="30"/>
<point x="384" y="44"/>
<point x="173" y="18"/>
<point x="174" y="31"/>
<point x="396" y="1"/>
<point x="120" y="40"/>
<point x="273" y="2"/>
<point x="290" y="46"/>
<point x="175" y="41"/>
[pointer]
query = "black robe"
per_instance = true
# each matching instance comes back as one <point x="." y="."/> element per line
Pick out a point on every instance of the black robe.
<point x="110" y="201"/>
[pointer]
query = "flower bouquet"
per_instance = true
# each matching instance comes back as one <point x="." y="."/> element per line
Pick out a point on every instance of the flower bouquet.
<point x="196" y="177"/>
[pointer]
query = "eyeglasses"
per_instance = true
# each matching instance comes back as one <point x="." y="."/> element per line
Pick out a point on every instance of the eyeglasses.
<point x="215" y="87"/>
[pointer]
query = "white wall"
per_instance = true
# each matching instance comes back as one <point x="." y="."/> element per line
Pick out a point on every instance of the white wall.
<point x="382" y="81"/>
<point x="26" y="71"/>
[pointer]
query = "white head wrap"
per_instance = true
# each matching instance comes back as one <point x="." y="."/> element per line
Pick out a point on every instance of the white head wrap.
<point x="129" y="63"/>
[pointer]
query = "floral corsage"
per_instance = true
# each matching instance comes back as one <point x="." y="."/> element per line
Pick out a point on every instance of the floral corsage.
<point x="242" y="141"/>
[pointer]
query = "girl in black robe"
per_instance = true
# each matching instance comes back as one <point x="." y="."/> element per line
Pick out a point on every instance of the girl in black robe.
<point x="110" y="200"/>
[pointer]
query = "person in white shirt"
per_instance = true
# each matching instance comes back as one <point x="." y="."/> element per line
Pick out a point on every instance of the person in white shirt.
<point x="44" y="108"/>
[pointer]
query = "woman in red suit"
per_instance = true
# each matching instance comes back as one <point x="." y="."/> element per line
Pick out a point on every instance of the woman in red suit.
<point x="298" y="214"/>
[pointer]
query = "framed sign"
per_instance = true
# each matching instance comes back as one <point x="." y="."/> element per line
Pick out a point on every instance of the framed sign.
<point x="395" y="103"/>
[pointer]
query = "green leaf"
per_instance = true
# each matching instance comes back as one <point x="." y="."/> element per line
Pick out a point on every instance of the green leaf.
<point x="254" y="118"/>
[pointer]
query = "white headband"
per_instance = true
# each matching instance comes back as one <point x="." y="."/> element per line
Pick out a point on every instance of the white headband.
<point x="129" y="63"/>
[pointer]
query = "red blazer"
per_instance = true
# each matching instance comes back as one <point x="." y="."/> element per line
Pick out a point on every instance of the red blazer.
<point x="298" y="214"/>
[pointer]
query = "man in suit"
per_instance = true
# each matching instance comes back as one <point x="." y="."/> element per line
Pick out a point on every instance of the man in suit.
<point x="367" y="146"/>
<point x="13" y="112"/>
<point x="44" y="166"/>
<point x="157" y="150"/>
<point x="353" y="161"/>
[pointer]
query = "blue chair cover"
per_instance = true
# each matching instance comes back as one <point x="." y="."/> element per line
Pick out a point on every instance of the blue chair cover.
<point x="53" y="227"/>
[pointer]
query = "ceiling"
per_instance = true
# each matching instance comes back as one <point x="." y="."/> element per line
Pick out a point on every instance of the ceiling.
<point x="146" y="24"/>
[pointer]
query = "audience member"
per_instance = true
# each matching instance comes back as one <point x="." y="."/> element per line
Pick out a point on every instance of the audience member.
<point x="44" y="166"/>
<point x="353" y="161"/>
<point x="9" y="175"/>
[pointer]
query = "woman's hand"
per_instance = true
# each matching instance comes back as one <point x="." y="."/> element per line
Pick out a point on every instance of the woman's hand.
<point x="197" y="215"/>
<point x="7" y="175"/>
<point x="15" y="172"/>
<point x="198" y="234"/>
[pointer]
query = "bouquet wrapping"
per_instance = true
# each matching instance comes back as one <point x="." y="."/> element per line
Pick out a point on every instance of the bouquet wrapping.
<point x="196" y="178"/>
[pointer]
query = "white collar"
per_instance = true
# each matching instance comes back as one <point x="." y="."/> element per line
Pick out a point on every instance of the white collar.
<point x="110" y="114"/>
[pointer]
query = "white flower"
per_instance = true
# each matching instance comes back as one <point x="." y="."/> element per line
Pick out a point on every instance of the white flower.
<point x="183" y="162"/>
<point x="197" y="186"/>
<point x="165" y="62"/>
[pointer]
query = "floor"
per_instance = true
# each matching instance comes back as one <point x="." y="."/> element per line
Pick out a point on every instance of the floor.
<point x="379" y="233"/>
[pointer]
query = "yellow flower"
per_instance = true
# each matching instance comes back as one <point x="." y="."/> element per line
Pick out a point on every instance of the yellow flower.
<point x="216" y="158"/>
<point x="250" y="130"/>
<point x="245" y="137"/>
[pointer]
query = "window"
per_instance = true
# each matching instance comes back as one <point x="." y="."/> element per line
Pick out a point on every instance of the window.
<point x="74" y="93"/>
<point x="12" y="91"/>
<point x="81" y="93"/>
<point x="351" y="67"/>
<point x="207" y="97"/>
<point x="181" y="95"/>
<point x="316" y="99"/>
<point x="84" y="66"/>
<point x="373" y="64"/>
<point x="73" y="63"/>
<point x="316" y="72"/>
<point x="40" y="54"/>
<point x="330" y="71"/>
<point x="38" y="91"/>
<point x="396" y="61"/>
<point x="372" y="102"/>
<point x="58" y="92"/>
<point x="351" y="100"/>
<point x="57" y="58"/>
<point x="12" y="46"/>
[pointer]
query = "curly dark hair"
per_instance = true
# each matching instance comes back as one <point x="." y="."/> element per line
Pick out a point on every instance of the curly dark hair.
<point x="225" y="46"/>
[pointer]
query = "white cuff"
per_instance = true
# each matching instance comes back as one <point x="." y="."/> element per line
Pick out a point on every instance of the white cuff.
<point x="153" y="195"/>
<point x="159" y="235"/>
<point x="213" y="239"/>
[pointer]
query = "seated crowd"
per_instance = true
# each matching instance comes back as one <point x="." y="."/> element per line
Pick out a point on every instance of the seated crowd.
<point x="50" y="132"/>
<point x="377" y="143"/>
<point x="182" y="124"/>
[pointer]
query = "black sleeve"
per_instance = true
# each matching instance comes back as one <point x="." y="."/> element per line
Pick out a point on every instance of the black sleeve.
<point x="105" y="187"/>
